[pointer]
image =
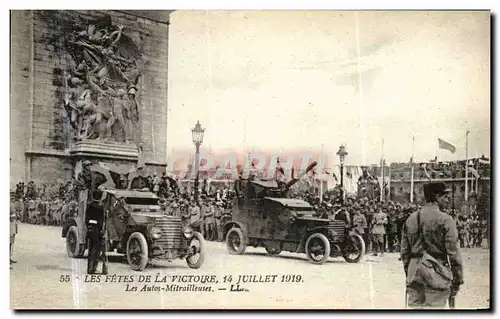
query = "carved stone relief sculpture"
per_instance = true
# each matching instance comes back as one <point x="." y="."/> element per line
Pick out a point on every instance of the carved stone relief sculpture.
<point x="101" y="87"/>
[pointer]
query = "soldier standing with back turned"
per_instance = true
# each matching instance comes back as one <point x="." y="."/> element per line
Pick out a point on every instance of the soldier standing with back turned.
<point x="430" y="253"/>
<point x="94" y="220"/>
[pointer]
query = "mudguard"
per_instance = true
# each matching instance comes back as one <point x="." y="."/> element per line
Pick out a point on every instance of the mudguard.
<point x="243" y="228"/>
<point x="80" y="226"/>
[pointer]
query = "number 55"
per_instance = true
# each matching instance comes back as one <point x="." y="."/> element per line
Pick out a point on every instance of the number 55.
<point x="65" y="278"/>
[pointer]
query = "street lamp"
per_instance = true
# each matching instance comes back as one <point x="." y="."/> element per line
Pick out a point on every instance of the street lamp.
<point x="197" y="133"/>
<point x="342" y="153"/>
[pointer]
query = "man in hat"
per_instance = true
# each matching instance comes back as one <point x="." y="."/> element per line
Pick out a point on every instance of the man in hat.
<point x="84" y="179"/>
<point x="378" y="231"/>
<point x="94" y="220"/>
<point x="430" y="238"/>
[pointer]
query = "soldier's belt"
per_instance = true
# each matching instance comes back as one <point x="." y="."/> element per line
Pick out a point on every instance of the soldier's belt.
<point x="91" y="221"/>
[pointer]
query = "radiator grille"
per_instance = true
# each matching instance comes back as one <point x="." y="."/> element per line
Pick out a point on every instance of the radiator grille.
<point x="338" y="227"/>
<point x="171" y="229"/>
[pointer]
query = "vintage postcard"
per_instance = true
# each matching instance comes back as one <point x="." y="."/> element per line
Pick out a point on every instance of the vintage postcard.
<point x="249" y="159"/>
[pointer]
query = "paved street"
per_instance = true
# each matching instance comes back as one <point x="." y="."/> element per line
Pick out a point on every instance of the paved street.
<point x="376" y="282"/>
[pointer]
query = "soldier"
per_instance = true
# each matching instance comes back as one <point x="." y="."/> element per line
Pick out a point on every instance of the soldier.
<point x="217" y="216"/>
<point x="195" y="212"/>
<point x="359" y="222"/>
<point x="475" y="231"/>
<point x="484" y="231"/>
<point x="84" y="179"/>
<point x="378" y="231"/>
<point x="461" y="230"/>
<point x="94" y="220"/>
<point x="343" y="215"/>
<point x="391" y="228"/>
<point x="210" y="220"/>
<point x="428" y="241"/>
<point x="13" y="231"/>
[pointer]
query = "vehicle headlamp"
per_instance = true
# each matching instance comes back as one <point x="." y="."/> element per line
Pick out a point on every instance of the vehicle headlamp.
<point x="188" y="232"/>
<point x="155" y="232"/>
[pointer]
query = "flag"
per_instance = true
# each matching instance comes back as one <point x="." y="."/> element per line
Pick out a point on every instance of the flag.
<point x="473" y="170"/>
<point x="424" y="166"/>
<point x="334" y="176"/>
<point x="484" y="160"/>
<point x="446" y="146"/>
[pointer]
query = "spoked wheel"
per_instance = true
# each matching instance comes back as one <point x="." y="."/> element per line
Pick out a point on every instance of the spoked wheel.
<point x="137" y="251"/>
<point x="196" y="255"/>
<point x="74" y="247"/>
<point x="354" y="249"/>
<point x="273" y="251"/>
<point x="317" y="248"/>
<point x="235" y="242"/>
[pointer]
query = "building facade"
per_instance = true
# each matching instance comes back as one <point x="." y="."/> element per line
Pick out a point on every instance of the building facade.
<point x="65" y="65"/>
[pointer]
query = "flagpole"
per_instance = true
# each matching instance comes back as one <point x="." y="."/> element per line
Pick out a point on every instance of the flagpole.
<point x="466" y="165"/>
<point x="412" y="170"/>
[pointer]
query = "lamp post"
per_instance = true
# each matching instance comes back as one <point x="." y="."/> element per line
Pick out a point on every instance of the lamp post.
<point x="197" y="133"/>
<point x="342" y="153"/>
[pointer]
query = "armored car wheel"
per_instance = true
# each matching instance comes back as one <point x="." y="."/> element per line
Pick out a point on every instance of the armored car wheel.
<point x="354" y="249"/>
<point x="196" y="255"/>
<point x="74" y="246"/>
<point x="317" y="248"/>
<point x="137" y="251"/>
<point x="235" y="242"/>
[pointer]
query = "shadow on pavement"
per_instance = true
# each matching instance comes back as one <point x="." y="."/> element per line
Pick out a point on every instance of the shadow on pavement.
<point x="298" y="258"/>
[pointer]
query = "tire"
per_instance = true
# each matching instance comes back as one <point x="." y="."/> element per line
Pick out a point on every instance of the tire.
<point x="354" y="247"/>
<point x="201" y="252"/>
<point x="273" y="251"/>
<point x="317" y="242"/>
<point x="74" y="246"/>
<point x="137" y="251"/>
<point x="235" y="242"/>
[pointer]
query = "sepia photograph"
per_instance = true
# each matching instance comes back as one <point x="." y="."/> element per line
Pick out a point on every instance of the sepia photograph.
<point x="250" y="159"/>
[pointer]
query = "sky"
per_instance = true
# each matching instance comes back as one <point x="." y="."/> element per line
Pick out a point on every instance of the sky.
<point x="312" y="80"/>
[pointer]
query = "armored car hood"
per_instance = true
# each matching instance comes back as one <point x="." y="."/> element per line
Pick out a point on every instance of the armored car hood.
<point x="292" y="203"/>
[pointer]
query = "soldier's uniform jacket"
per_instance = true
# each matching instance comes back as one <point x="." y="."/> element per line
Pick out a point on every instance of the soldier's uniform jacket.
<point x="440" y="233"/>
<point x="484" y="227"/>
<point x="461" y="227"/>
<point x="379" y="222"/>
<point x="209" y="214"/>
<point x="217" y="212"/>
<point x="13" y="221"/>
<point x="84" y="179"/>
<point x="195" y="213"/>
<point x="359" y="222"/>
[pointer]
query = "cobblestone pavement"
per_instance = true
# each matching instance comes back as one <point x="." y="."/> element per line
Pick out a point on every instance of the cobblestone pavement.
<point x="375" y="282"/>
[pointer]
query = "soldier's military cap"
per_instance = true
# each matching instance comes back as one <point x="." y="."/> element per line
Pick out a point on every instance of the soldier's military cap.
<point x="87" y="163"/>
